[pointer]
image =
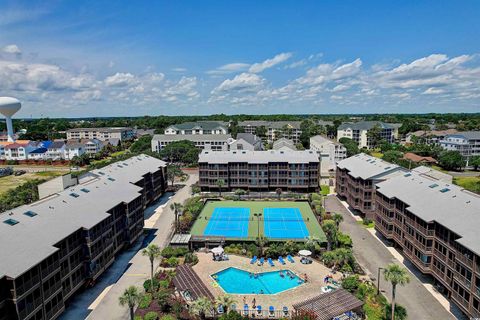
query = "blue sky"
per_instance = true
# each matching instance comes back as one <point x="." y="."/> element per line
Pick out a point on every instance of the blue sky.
<point x="112" y="58"/>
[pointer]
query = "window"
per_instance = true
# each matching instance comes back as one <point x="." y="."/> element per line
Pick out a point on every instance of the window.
<point x="30" y="214"/>
<point x="75" y="195"/>
<point x="85" y="190"/>
<point x="11" y="222"/>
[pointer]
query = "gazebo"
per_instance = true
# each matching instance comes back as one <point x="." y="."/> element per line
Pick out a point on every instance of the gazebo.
<point x="330" y="305"/>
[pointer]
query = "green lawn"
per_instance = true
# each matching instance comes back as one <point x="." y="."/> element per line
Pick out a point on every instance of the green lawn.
<point x="313" y="227"/>
<point x="324" y="190"/>
<point x="11" y="181"/>
<point x="469" y="183"/>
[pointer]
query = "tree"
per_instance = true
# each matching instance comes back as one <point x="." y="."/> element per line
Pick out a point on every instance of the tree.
<point x="220" y="183"/>
<point x="176" y="208"/>
<point x="130" y="297"/>
<point x="261" y="131"/>
<point x="400" y="312"/>
<point x="152" y="251"/>
<point x="392" y="156"/>
<point x="173" y="172"/>
<point x="374" y="136"/>
<point x="330" y="229"/>
<point x="201" y="306"/>
<point x="183" y="151"/>
<point x="261" y="242"/>
<point x="396" y="275"/>
<point x="239" y="193"/>
<point x="226" y="301"/>
<point x="474" y="162"/>
<point x="350" y="145"/>
<point x="351" y="283"/>
<point x="143" y="144"/>
<point x="451" y="160"/>
<point x="337" y="218"/>
<point x="278" y="191"/>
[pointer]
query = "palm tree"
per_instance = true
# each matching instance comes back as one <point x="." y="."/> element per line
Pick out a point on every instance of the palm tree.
<point x="201" y="306"/>
<point x="330" y="229"/>
<point x="130" y="297"/>
<point x="400" y="312"/>
<point x="152" y="251"/>
<point x="226" y="301"/>
<point x="176" y="208"/>
<point x="220" y="184"/>
<point x="278" y="191"/>
<point x="261" y="242"/>
<point x="396" y="275"/>
<point x="337" y="218"/>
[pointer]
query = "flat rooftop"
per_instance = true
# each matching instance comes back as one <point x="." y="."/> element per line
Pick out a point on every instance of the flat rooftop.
<point x="289" y="156"/>
<point x="191" y="137"/>
<point x="433" y="200"/>
<point x="32" y="238"/>
<point x="367" y="167"/>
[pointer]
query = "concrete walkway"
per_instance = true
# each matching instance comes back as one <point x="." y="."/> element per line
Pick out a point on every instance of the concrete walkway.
<point x="372" y="254"/>
<point x="106" y="305"/>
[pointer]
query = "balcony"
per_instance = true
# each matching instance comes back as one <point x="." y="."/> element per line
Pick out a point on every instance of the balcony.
<point x="27" y="286"/>
<point x="30" y="307"/>
<point x="459" y="300"/>
<point x="462" y="280"/>
<point x="465" y="260"/>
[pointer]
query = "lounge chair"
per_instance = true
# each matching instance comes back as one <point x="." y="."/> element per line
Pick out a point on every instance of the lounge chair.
<point x="261" y="261"/>
<point x="270" y="262"/>
<point x="220" y="309"/>
<point x="254" y="259"/>
<point x="289" y="258"/>
<point x="285" y="311"/>
<point x="259" y="310"/>
<point x="233" y="307"/>
<point x="280" y="259"/>
<point x="271" y="312"/>
<point x="245" y="310"/>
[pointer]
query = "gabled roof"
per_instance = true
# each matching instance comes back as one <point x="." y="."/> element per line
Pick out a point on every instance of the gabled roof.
<point x="39" y="151"/>
<point x="283" y="143"/>
<point x="366" y="125"/>
<point x="56" y="144"/>
<point x="469" y="135"/>
<point x="250" y="138"/>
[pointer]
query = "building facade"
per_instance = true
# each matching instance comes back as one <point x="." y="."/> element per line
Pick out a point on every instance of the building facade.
<point x="102" y="134"/>
<point x="356" y="178"/>
<point x="198" y="128"/>
<point x="296" y="171"/>
<point x="246" y="141"/>
<point x="214" y="142"/>
<point x="330" y="153"/>
<point x="358" y="132"/>
<point x="467" y="143"/>
<point x="274" y="130"/>
<point x="436" y="225"/>
<point x="52" y="248"/>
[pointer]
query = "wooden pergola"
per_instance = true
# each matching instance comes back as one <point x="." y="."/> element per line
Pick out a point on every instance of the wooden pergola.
<point x="330" y="305"/>
<point x="187" y="281"/>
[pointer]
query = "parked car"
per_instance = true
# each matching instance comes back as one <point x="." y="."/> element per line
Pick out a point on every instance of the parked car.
<point x="6" y="171"/>
<point x="19" y="172"/>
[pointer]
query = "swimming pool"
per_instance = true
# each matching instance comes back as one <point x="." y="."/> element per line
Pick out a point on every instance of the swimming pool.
<point x="238" y="281"/>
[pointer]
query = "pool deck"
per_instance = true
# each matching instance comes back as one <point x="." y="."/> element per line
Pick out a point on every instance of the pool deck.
<point x="315" y="273"/>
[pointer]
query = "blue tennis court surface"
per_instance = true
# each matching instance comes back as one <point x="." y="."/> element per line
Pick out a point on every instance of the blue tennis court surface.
<point x="228" y="222"/>
<point x="284" y="223"/>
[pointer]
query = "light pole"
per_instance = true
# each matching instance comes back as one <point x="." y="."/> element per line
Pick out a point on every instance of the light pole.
<point x="258" y="215"/>
<point x="378" y="280"/>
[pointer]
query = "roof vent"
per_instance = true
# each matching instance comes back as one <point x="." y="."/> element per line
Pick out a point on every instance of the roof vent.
<point x="407" y="175"/>
<point x="111" y="179"/>
<point x="433" y="185"/>
<point x="85" y="190"/>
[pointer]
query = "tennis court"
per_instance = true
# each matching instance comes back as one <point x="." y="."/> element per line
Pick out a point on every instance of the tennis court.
<point x="228" y="222"/>
<point x="284" y="223"/>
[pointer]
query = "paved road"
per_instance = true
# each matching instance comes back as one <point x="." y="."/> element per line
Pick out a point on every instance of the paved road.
<point x="371" y="254"/>
<point x="139" y="268"/>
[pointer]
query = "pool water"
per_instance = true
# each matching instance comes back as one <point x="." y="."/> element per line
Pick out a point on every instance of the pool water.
<point x="238" y="281"/>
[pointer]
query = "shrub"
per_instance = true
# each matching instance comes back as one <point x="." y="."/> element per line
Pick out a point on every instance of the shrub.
<point x="316" y="196"/>
<point x="172" y="262"/>
<point x="138" y="318"/>
<point x="365" y="290"/>
<point x="148" y="284"/>
<point x="146" y="300"/>
<point x="350" y="283"/>
<point x="169" y="252"/>
<point x="167" y="317"/>
<point x="152" y="315"/>
<point x="232" y="315"/>
<point x="344" y="240"/>
<point x="191" y="258"/>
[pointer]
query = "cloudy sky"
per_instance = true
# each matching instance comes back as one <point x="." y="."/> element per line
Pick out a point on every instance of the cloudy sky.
<point x="113" y="58"/>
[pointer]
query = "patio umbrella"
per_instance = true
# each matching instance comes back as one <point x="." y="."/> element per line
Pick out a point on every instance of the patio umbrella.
<point x="305" y="253"/>
<point x="217" y="250"/>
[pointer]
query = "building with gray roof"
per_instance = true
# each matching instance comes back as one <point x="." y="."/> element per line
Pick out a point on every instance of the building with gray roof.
<point x="102" y="134"/>
<point x="198" y="128"/>
<point x="50" y="248"/>
<point x="284" y="144"/>
<point x="246" y="141"/>
<point x="214" y="142"/>
<point x="467" y="143"/>
<point x="358" y="132"/>
<point x="274" y="130"/>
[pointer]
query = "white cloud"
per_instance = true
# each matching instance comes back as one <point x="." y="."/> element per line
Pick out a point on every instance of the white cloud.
<point x="260" y="67"/>
<point x="179" y="69"/>
<point x="433" y="90"/>
<point x="229" y="68"/>
<point x="88" y="95"/>
<point x="12" y="49"/>
<point x="244" y="82"/>
<point x="121" y="80"/>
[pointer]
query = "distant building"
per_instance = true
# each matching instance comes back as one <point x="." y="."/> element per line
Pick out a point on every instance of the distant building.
<point x="296" y="171"/>
<point x="56" y="150"/>
<point x="358" y="132"/>
<point x="214" y="142"/>
<point x="432" y="137"/>
<point x="19" y="150"/>
<point x="246" y="141"/>
<point x="284" y="144"/>
<point x="330" y="153"/>
<point x="74" y="149"/>
<point x="102" y="134"/>
<point x="410" y="156"/>
<point x="356" y="178"/>
<point x="467" y="143"/>
<point x="143" y="132"/>
<point x="198" y="128"/>
<point x="274" y="129"/>
<point x="51" y="249"/>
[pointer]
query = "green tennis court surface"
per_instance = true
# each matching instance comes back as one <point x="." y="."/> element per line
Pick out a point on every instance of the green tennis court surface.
<point x="245" y="220"/>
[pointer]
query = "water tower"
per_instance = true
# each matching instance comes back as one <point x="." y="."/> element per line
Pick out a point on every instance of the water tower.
<point x="8" y="107"/>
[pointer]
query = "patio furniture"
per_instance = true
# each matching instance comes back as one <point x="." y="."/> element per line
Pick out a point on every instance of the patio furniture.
<point x="254" y="259"/>
<point x="261" y="261"/>
<point x="285" y="311"/>
<point x="271" y="312"/>
<point x="289" y="258"/>
<point x="259" y="310"/>
<point x="280" y="259"/>
<point x="220" y="309"/>
<point x="270" y="262"/>
<point x="245" y="310"/>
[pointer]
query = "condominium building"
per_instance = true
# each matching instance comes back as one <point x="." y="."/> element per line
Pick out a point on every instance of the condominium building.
<point x="358" y="132"/>
<point x="356" y="178"/>
<point x="284" y="144"/>
<point x="214" y="142"/>
<point x="467" y="143"/>
<point x="52" y="248"/>
<point x="246" y="141"/>
<point x="296" y="171"/>
<point x="274" y="129"/>
<point x="199" y="127"/>
<point x="102" y="134"/>
<point x="432" y="137"/>
<point x="330" y="153"/>
<point x="436" y="225"/>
